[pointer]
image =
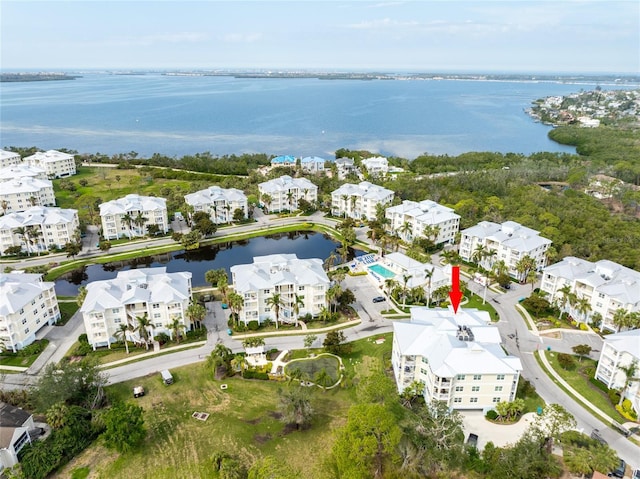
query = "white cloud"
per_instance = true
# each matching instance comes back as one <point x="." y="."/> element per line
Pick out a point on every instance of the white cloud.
<point x="148" y="40"/>
<point x="384" y="23"/>
<point x="242" y="37"/>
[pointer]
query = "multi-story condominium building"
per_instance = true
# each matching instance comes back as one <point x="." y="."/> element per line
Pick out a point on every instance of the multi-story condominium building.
<point x="419" y="275"/>
<point x="20" y="194"/>
<point x="376" y="166"/>
<point x="38" y="228"/>
<point x="312" y="164"/>
<point x="345" y="166"/>
<point x="283" y="193"/>
<point x="26" y="304"/>
<point x="55" y="163"/>
<point x="130" y="216"/>
<point x="16" y="427"/>
<point x="284" y="160"/>
<point x="426" y="219"/>
<point x="620" y="351"/>
<point x="15" y="172"/>
<point x="219" y="203"/>
<point x="296" y="281"/>
<point x="457" y="356"/>
<point x="149" y="293"/>
<point x="9" y="158"/>
<point x="359" y="201"/>
<point x="584" y="289"/>
<point x="488" y="242"/>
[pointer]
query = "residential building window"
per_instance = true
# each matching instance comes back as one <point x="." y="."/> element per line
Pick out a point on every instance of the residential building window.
<point x="496" y="400"/>
<point x="475" y="389"/>
<point x="24" y="320"/>
<point x="478" y="377"/>
<point x="500" y="377"/>
<point x="117" y="320"/>
<point x="473" y="400"/>
<point x="460" y="377"/>
<point x="300" y="288"/>
<point x="459" y="388"/>
<point x="156" y="315"/>
<point x="266" y="291"/>
<point x="457" y="399"/>
<point x="156" y="305"/>
<point x="424" y="360"/>
<point x="26" y="331"/>
<point x="115" y="310"/>
<point x="498" y="389"/>
<point x="423" y="371"/>
<point x="157" y="325"/>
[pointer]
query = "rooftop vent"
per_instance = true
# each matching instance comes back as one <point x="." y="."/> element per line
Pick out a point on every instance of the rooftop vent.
<point x="464" y="333"/>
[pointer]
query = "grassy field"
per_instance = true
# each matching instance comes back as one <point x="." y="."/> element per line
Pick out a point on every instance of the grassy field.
<point x="244" y="421"/>
<point x="310" y="367"/>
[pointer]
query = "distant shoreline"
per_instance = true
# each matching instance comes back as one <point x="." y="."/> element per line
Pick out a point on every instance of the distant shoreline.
<point x="31" y="77"/>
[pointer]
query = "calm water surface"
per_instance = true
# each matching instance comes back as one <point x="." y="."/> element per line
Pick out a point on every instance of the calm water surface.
<point x="175" y="115"/>
<point x="224" y="255"/>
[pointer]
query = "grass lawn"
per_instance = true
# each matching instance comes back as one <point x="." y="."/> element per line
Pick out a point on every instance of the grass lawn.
<point x="11" y="359"/>
<point x="580" y="382"/>
<point x="243" y="421"/>
<point x="67" y="309"/>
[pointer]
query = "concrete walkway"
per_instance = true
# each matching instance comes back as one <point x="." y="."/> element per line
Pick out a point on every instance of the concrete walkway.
<point x="278" y="362"/>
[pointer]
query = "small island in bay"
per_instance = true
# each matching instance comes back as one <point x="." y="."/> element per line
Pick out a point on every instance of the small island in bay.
<point x="39" y="76"/>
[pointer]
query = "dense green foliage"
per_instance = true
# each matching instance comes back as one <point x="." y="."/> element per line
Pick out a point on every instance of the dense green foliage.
<point x="124" y="427"/>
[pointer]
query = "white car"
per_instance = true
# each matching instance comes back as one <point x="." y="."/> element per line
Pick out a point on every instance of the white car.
<point x="636" y="474"/>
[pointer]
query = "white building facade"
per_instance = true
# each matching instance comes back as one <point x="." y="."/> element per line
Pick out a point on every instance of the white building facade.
<point x="285" y="193"/>
<point x="312" y="164"/>
<point x="620" y="351"/>
<point x="153" y="293"/>
<point x="359" y="201"/>
<point x="424" y="219"/>
<point x="457" y="357"/>
<point x="39" y="229"/>
<point x="9" y="158"/>
<point x="376" y="166"/>
<point x="130" y="216"/>
<point x="508" y="242"/>
<point x="55" y="163"/>
<point x="296" y="280"/>
<point x="219" y="203"/>
<point x="23" y="193"/>
<point x="605" y="285"/>
<point x="26" y="305"/>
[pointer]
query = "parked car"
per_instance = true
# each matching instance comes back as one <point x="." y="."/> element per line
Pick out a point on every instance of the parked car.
<point x="167" y="378"/>
<point x="619" y="471"/>
<point x="138" y="391"/>
<point x="636" y="474"/>
<point x="379" y="299"/>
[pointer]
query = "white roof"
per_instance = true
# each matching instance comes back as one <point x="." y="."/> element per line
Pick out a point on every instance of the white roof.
<point x="312" y="159"/>
<point x="627" y="341"/>
<point x="285" y="183"/>
<point x="435" y="334"/>
<point x="416" y="270"/>
<point x="375" y="162"/>
<point x="509" y="234"/>
<point x="6" y="155"/>
<point x="24" y="185"/>
<point x="21" y="171"/>
<point x="365" y="190"/>
<point x="271" y="270"/>
<point x="38" y="215"/>
<point x="213" y="194"/>
<point x="426" y="211"/>
<point x="18" y="289"/>
<point x="607" y="277"/>
<point x="144" y="285"/>
<point x="48" y="156"/>
<point x="131" y="203"/>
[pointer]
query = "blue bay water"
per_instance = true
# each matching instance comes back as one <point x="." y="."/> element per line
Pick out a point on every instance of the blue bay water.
<point x="179" y="115"/>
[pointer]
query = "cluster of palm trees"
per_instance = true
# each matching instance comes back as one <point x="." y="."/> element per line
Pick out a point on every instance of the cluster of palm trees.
<point x="30" y="235"/>
<point x="138" y="220"/>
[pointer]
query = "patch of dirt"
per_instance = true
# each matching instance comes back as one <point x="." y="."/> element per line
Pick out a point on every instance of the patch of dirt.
<point x="275" y="415"/>
<point x="293" y="427"/>
<point x="262" y="438"/>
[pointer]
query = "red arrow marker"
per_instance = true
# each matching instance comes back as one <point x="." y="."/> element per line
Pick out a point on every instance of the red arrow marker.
<point x="455" y="295"/>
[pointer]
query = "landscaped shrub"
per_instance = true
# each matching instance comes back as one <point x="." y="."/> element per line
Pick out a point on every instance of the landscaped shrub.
<point x="249" y="374"/>
<point x="82" y="349"/>
<point x="253" y="325"/>
<point x="599" y="384"/>
<point x="492" y="415"/>
<point x="162" y="338"/>
<point x="566" y="361"/>
<point x="589" y="371"/>
<point x="34" y="348"/>
<point x="83" y="338"/>
<point x="198" y="333"/>
<point x="614" y="396"/>
<point x="583" y="327"/>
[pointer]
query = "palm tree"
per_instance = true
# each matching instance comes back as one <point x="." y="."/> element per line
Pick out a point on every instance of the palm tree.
<point x="297" y="302"/>
<point x="405" y="280"/>
<point x="478" y="253"/>
<point x="266" y="200"/>
<point x="583" y="306"/>
<point x="524" y="266"/>
<point x="143" y="324"/>
<point x="196" y="313"/>
<point x="82" y="294"/>
<point x="431" y="232"/>
<point x="289" y="197"/>
<point x="23" y="233"/>
<point x="331" y="260"/>
<point x="213" y="275"/>
<point x="620" y="318"/>
<point x="176" y="328"/>
<point x="332" y="295"/>
<point x="127" y="219"/>
<point x="323" y="379"/>
<point x="123" y="329"/>
<point x="565" y="291"/>
<point x="405" y="229"/>
<point x="139" y="221"/>
<point x="236" y="303"/>
<point x="252" y="342"/>
<point x="389" y="284"/>
<point x="630" y="376"/>
<point x="450" y="257"/>
<point x="344" y="204"/>
<point x="223" y="287"/>
<point x="428" y="275"/>
<point x="276" y="302"/>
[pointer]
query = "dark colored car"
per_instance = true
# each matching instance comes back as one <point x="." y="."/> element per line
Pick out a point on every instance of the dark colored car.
<point x="379" y="299"/>
<point x="619" y="471"/>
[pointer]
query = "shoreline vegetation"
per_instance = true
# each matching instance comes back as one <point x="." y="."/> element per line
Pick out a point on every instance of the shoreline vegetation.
<point x="621" y="79"/>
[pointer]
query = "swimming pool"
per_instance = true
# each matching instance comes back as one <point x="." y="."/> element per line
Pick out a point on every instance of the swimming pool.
<point x="382" y="271"/>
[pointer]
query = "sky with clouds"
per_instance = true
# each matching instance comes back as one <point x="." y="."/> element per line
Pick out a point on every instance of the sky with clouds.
<point x="429" y="36"/>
